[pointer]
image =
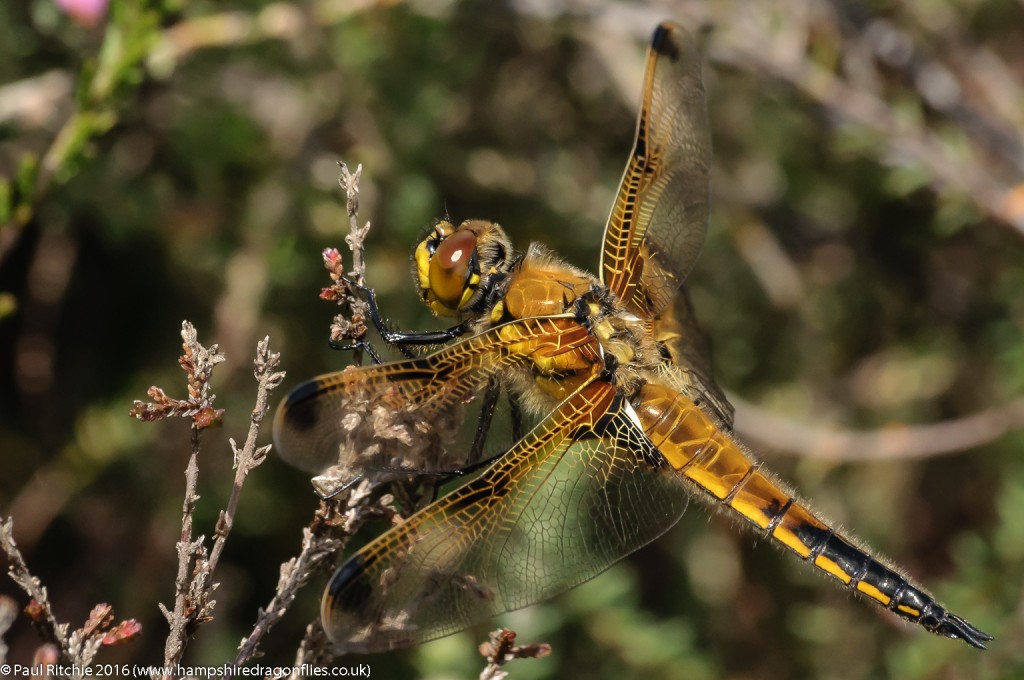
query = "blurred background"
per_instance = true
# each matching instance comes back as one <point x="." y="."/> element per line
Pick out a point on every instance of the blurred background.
<point x="862" y="284"/>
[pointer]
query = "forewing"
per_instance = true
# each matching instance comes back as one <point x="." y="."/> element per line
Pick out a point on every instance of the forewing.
<point x="406" y="407"/>
<point x="580" y="491"/>
<point x="657" y="225"/>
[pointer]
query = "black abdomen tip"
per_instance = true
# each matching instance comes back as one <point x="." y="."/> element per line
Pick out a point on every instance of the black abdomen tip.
<point x="955" y="627"/>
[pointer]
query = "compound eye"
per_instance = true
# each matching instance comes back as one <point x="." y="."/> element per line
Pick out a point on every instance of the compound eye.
<point x="450" y="267"/>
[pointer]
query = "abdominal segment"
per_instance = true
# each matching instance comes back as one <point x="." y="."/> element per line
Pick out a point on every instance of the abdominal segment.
<point x="716" y="464"/>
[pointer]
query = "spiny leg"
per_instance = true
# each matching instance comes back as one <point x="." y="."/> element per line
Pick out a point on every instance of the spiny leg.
<point x="402" y="339"/>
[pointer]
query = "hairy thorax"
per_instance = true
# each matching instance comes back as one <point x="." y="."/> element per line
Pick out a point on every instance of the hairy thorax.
<point x="542" y="285"/>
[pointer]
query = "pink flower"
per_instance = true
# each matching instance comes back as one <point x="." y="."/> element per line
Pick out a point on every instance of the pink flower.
<point x="85" y="12"/>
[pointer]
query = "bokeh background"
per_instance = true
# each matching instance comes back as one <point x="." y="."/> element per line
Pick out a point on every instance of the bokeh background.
<point x="862" y="284"/>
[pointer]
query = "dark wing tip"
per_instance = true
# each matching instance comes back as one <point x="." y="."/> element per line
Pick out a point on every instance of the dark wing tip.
<point x="353" y="612"/>
<point x="662" y="42"/>
<point x="298" y="410"/>
<point x="956" y="627"/>
<point x="299" y="424"/>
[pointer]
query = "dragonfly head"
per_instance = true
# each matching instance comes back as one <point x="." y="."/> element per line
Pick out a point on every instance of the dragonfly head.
<point x="454" y="266"/>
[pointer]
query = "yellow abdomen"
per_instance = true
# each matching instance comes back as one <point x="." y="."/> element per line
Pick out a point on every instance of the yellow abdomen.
<point x="715" y="463"/>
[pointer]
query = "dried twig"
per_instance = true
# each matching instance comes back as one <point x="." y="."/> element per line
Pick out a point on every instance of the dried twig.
<point x="198" y="363"/>
<point x="322" y="543"/>
<point x="350" y="325"/>
<point x="8" y="612"/>
<point x="80" y="647"/>
<point x="194" y="585"/>
<point x="313" y="650"/>
<point x="356" y="235"/>
<point x="501" y="649"/>
<point x="318" y="548"/>
<point x="327" y="534"/>
<point x="99" y="631"/>
<point x="39" y="609"/>
<point x="250" y="456"/>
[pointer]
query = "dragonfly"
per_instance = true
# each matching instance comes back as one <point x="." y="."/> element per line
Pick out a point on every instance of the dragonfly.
<point x="615" y="373"/>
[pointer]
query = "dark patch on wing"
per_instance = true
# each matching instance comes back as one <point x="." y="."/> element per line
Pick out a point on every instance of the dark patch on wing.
<point x="301" y="406"/>
<point x="661" y="43"/>
<point x="485" y="491"/>
<point x="349" y="588"/>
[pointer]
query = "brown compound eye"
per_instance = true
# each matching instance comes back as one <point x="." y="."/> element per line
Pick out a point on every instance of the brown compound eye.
<point x="451" y="266"/>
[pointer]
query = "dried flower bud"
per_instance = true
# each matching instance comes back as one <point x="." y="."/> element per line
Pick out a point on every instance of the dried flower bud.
<point x="34" y="610"/>
<point x="208" y="417"/>
<point x="125" y="631"/>
<point x="100" y="617"/>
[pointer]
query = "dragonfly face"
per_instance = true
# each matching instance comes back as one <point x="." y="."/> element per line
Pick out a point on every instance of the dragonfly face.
<point x="456" y="268"/>
<point x="630" y="421"/>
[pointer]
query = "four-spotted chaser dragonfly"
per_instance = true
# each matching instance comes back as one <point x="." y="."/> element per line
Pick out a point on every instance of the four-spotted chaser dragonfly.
<point x="630" y="421"/>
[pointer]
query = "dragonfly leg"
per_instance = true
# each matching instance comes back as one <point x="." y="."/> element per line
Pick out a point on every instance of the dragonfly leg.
<point x="483" y="426"/>
<point x="358" y="345"/>
<point x="334" y="493"/>
<point x="402" y="338"/>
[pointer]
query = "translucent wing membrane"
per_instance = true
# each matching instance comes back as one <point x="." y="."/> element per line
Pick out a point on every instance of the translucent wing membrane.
<point x="579" y="492"/>
<point x="410" y="405"/>
<point x="659" y="219"/>
<point x="690" y="352"/>
<point x="657" y="224"/>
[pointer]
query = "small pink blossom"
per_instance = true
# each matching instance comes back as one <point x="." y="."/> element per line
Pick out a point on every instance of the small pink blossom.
<point x="85" y="12"/>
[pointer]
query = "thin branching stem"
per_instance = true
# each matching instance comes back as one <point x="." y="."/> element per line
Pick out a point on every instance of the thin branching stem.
<point x="327" y="534"/>
<point x="194" y="584"/>
<point x="50" y="630"/>
<point x="249" y="456"/>
<point x="318" y="548"/>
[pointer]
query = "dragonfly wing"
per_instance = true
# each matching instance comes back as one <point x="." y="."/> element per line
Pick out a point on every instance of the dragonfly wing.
<point x="690" y="351"/>
<point x="580" y="491"/>
<point x="657" y="225"/>
<point x="408" y="407"/>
